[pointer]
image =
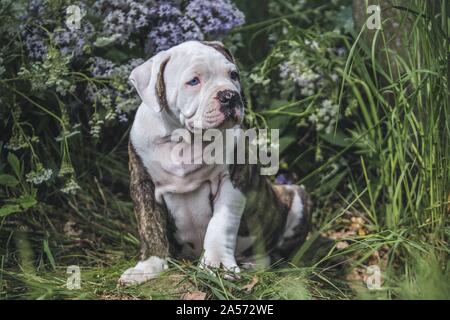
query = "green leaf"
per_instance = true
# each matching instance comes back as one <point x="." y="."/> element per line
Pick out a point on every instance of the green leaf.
<point x="277" y="104"/>
<point x="49" y="254"/>
<point x="8" y="180"/>
<point x="280" y="122"/>
<point x="106" y="41"/>
<point x="14" y="163"/>
<point x="26" y="202"/>
<point x="338" y="139"/>
<point x="286" y="142"/>
<point x="18" y="205"/>
<point x="8" y="209"/>
<point x="116" y="55"/>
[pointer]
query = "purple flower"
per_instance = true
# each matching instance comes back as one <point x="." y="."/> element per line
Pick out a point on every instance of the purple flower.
<point x="215" y="18"/>
<point x="73" y="41"/>
<point x="170" y="33"/>
<point x="283" y="179"/>
<point x="165" y="10"/>
<point x="34" y="43"/>
<point x="33" y="34"/>
<point x="171" y="28"/>
<point x="123" y="118"/>
<point x="115" y="22"/>
<point x="166" y="23"/>
<point x="124" y="17"/>
<point x="101" y="67"/>
<point x="38" y="30"/>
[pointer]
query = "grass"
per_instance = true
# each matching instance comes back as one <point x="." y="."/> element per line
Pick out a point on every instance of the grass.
<point x="389" y="207"/>
<point x="407" y="190"/>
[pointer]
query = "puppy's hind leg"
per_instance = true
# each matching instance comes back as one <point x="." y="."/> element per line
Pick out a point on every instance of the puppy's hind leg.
<point x="153" y="225"/>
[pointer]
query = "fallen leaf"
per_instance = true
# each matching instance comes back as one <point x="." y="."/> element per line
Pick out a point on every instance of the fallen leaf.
<point x="249" y="286"/>
<point x="194" y="295"/>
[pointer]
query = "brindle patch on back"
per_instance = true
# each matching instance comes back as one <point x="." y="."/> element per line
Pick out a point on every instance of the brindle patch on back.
<point x="266" y="212"/>
<point x="290" y="244"/>
<point x="265" y="215"/>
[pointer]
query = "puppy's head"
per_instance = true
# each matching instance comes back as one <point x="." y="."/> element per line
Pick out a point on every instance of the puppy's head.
<point x="196" y="83"/>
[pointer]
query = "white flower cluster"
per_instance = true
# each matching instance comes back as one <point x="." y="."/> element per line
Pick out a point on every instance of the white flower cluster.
<point x="259" y="79"/>
<point x="51" y="73"/>
<point x="71" y="187"/>
<point x="312" y="44"/>
<point x="295" y="6"/>
<point x="96" y="125"/>
<point x="67" y="172"/>
<point x="324" y="118"/>
<point x="39" y="175"/>
<point x="66" y="169"/>
<point x="298" y="70"/>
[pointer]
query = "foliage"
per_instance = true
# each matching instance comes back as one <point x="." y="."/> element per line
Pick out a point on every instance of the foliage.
<point x="368" y="138"/>
<point x="380" y="132"/>
<point x="64" y="87"/>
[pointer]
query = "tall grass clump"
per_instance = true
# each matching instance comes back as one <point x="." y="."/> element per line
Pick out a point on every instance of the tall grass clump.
<point x="364" y="121"/>
<point x="400" y="80"/>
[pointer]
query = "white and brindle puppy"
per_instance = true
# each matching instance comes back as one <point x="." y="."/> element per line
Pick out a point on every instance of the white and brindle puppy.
<point x="223" y="214"/>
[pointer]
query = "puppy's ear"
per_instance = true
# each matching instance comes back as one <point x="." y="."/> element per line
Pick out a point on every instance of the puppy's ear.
<point x="148" y="79"/>
<point x="219" y="46"/>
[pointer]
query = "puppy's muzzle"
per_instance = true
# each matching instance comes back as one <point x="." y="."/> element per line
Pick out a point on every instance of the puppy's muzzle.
<point x="230" y="103"/>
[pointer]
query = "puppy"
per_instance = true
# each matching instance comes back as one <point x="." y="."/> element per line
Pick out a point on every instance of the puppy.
<point x="220" y="213"/>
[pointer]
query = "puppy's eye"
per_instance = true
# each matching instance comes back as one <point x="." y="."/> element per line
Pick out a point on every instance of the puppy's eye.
<point x="193" y="82"/>
<point x="234" y="75"/>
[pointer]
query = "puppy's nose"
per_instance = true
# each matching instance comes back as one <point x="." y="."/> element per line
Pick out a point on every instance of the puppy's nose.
<point x="229" y="97"/>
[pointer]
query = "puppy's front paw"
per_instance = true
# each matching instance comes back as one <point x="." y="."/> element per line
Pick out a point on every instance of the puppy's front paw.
<point x="213" y="259"/>
<point x="143" y="271"/>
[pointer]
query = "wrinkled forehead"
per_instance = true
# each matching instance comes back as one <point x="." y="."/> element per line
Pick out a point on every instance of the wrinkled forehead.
<point x="199" y="57"/>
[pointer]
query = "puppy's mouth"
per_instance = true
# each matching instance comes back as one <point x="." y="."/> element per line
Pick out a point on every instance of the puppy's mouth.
<point x="232" y="114"/>
<point x="217" y="118"/>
